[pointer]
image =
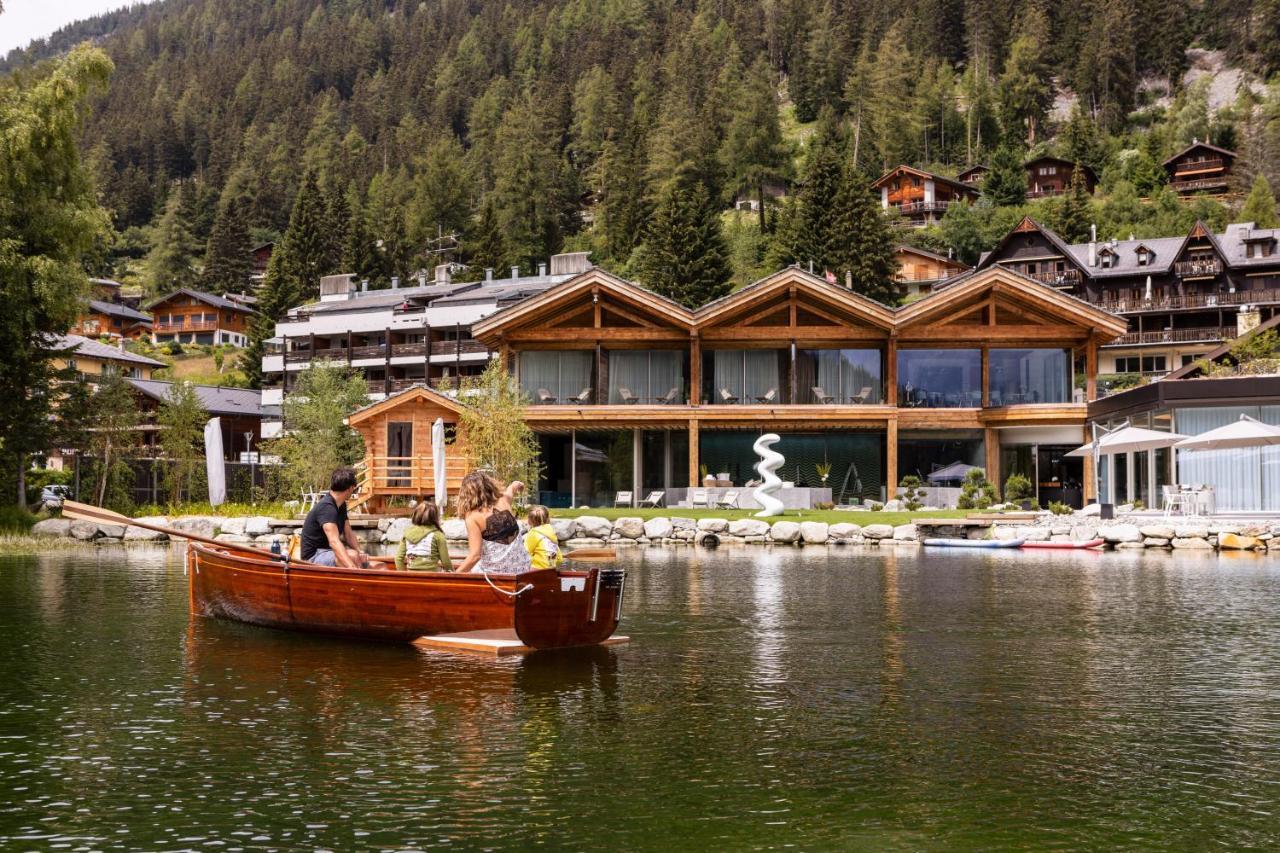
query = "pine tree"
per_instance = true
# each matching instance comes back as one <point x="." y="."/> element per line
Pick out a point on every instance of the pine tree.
<point x="487" y="249"/>
<point x="864" y="245"/>
<point x="171" y="262"/>
<point x="684" y="256"/>
<point x="1026" y="90"/>
<point x="1074" y="215"/>
<point x="896" y="127"/>
<point x="809" y="233"/>
<point x="1006" y="183"/>
<point x="1260" y="207"/>
<point x="623" y="206"/>
<point x="337" y="230"/>
<point x="441" y="202"/>
<point x="227" y="264"/>
<point x="280" y="291"/>
<point x="753" y="150"/>
<point x="308" y="240"/>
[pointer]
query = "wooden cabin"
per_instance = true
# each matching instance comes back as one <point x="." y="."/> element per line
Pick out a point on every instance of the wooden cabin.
<point x="920" y="197"/>
<point x="194" y="317"/>
<point x="920" y="270"/>
<point x="397" y="464"/>
<point x="974" y="175"/>
<point x="1200" y="168"/>
<point x="1049" y="176"/>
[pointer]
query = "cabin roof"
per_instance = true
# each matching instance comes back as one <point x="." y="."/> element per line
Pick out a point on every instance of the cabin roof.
<point x="115" y="309"/>
<point x="207" y="298"/>
<point x="925" y="253"/>
<point x="1193" y="146"/>
<point x="416" y="392"/>
<point x="1058" y="161"/>
<point x="217" y="400"/>
<point x="959" y="185"/>
<point x="90" y="348"/>
<point x="876" y="312"/>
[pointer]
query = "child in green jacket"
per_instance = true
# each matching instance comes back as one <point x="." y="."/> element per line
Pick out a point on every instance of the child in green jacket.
<point x="424" y="548"/>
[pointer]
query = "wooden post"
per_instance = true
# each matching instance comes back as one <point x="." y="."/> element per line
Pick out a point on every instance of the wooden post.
<point x="891" y="372"/>
<point x="991" y="439"/>
<point x="695" y="370"/>
<point x="1090" y="491"/>
<point x="891" y="457"/>
<point x="348" y="347"/>
<point x="600" y="398"/>
<point x="386" y="360"/>
<point x="1091" y="370"/>
<point x="986" y="375"/>
<point x="693" y="454"/>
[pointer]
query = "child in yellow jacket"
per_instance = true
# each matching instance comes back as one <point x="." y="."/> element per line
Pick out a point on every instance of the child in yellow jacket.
<point x="541" y="541"/>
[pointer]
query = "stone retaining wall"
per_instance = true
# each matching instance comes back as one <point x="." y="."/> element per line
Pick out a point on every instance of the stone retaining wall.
<point x="595" y="531"/>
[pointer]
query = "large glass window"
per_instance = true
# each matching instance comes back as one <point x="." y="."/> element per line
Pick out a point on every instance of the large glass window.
<point x="556" y="377"/>
<point x="940" y="378"/>
<point x="1029" y="376"/>
<point x="856" y="460"/>
<point x="646" y="376"/>
<point x="839" y="376"/>
<point x="746" y="377"/>
<point x="1245" y="479"/>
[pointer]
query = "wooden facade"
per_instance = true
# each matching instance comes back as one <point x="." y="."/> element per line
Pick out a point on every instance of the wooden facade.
<point x="1200" y="168"/>
<point x="193" y="317"/>
<point x="920" y="197"/>
<point x="920" y="271"/>
<point x="398" y="462"/>
<point x="1049" y="176"/>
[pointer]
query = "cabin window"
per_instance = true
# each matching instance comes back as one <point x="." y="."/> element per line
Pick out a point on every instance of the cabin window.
<point x="1144" y="257"/>
<point x="1018" y="376"/>
<point x="1128" y="364"/>
<point x="1107" y="260"/>
<point x="1048" y="170"/>
<point x="1153" y="364"/>
<point x="551" y="377"/>
<point x="1189" y="359"/>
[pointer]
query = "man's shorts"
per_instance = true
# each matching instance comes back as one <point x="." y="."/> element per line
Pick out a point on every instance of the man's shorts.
<point x="324" y="557"/>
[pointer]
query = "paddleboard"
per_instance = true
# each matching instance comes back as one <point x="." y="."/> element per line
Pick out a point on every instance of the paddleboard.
<point x="1092" y="543"/>
<point x="975" y="543"/>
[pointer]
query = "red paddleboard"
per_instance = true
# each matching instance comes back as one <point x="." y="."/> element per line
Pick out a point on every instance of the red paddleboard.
<point x="1092" y="543"/>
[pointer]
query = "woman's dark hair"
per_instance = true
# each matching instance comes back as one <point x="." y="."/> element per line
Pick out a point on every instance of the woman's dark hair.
<point x="426" y="514"/>
<point x="342" y="479"/>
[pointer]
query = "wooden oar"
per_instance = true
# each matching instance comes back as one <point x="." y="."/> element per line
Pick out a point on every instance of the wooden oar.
<point x="87" y="512"/>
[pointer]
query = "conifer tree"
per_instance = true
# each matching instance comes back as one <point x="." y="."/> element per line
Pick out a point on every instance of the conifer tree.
<point x="307" y="239"/>
<point x="528" y="184"/>
<point x="487" y="248"/>
<point x="1026" y="90"/>
<point x="623" y="207"/>
<point x="1006" y="183"/>
<point x="1074" y="215"/>
<point x="753" y="149"/>
<point x="227" y="264"/>
<point x="279" y="293"/>
<point x="1260" y="207"/>
<point x="171" y="262"/>
<point x="684" y="256"/>
<point x="863" y="244"/>
<point x="441" y="201"/>
<point x="809" y="235"/>
<point x="337" y="230"/>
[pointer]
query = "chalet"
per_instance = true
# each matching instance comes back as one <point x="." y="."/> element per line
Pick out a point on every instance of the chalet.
<point x="1049" y="176"/>
<point x="91" y="359"/>
<point x="261" y="257"/>
<point x="1182" y="296"/>
<point x="1200" y="168"/>
<point x="631" y="391"/>
<point x="920" y="197"/>
<point x="920" y="270"/>
<point x="111" y="319"/>
<point x="238" y="410"/>
<point x="194" y="317"/>
<point x="974" y="175"/>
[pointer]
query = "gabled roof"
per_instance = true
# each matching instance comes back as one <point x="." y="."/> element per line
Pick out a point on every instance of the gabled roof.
<point x="90" y="348"/>
<point x="217" y="400"/>
<point x="925" y="253"/>
<point x="115" y="309"/>
<point x="911" y="170"/>
<point x="1027" y="226"/>
<point x="417" y="392"/>
<point x="1194" y="145"/>
<point x="974" y="169"/>
<point x="1058" y="161"/>
<point x="207" y="298"/>
<point x="875" y="312"/>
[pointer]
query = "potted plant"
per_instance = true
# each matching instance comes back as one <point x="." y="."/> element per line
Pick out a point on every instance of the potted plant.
<point x="912" y="492"/>
<point x="824" y="471"/>
<point x="1018" y="489"/>
<point x="707" y="479"/>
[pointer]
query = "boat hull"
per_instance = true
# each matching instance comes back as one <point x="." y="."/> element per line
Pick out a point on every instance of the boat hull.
<point x="975" y="543"/>
<point x="546" y="609"/>
<point x="1073" y="546"/>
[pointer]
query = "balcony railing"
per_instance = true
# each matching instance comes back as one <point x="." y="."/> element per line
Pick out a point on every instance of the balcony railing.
<point x="1204" y="334"/>
<point x="1193" y="166"/>
<point x="1045" y="192"/>
<point x="418" y="348"/>
<point x="369" y="351"/>
<point x="1198" y="184"/>
<point x="1057" y="278"/>
<point x="1138" y="305"/>
<point x="463" y="346"/>
<point x="1198" y="268"/>
<point x="935" y="206"/>
<point x="199" y="326"/>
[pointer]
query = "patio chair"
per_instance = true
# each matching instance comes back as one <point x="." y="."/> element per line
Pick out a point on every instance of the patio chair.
<point x="863" y="396"/>
<point x="627" y="397"/>
<point x="545" y="396"/>
<point x="1174" y="497"/>
<point x="668" y="398"/>
<point x="653" y="500"/>
<point x="584" y="396"/>
<point x="697" y="498"/>
<point x="727" y="396"/>
<point x="729" y="501"/>
<point x="309" y="500"/>
<point x="622" y="499"/>
<point x="768" y="396"/>
<point x="822" y="396"/>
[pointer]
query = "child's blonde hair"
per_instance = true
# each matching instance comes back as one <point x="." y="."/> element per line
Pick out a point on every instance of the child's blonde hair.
<point x="538" y="515"/>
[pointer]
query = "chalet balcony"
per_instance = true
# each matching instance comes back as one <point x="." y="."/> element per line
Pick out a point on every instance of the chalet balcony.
<point x="1057" y="278"/>
<point x="1138" y="305"/>
<point x="908" y="208"/>
<point x="1045" y="192"/>
<point x="419" y="349"/>
<point x="464" y="346"/>
<point x="1198" y="269"/>
<point x="1204" y="334"/>
<point x="1196" y="167"/>
<point x="369" y="351"/>
<point x="174" y="328"/>
<point x="1198" y="185"/>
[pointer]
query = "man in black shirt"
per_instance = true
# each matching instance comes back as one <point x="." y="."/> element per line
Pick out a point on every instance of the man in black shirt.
<point x="327" y="537"/>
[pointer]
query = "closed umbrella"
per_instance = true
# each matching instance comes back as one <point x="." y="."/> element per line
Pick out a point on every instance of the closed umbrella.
<point x="438" y="461"/>
<point x="1246" y="432"/>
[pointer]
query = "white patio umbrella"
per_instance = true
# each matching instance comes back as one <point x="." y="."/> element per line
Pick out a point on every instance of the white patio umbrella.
<point x="1246" y="432"/>
<point x="1129" y="439"/>
<point x="438" y="462"/>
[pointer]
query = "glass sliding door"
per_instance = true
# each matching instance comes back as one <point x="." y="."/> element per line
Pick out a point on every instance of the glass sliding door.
<point x="839" y="376"/>
<point x="940" y="378"/>
<point x="1020" y="376"/>
<point x="548" y="377"/>
<point x="745" y="377"/>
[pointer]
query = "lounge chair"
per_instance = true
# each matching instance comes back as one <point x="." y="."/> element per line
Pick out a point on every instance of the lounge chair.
<point x="697" y="498"/>
<point x="627" y="397"/>
<point x="727" y="396"/>
<point x="768" y="396"/>
<point x="622" y="499"/>
<point x="545" y="396"/>
<point x="584" y="396"/>
<point x="653" y="500"/>
<point x="729" y="501"/>
<point x="863" y="396"/>
<point x="822" y="396"/>
<point x="668" y="398"/>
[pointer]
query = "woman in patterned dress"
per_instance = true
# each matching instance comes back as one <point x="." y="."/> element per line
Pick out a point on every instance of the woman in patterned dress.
<point x="493" y="534"/>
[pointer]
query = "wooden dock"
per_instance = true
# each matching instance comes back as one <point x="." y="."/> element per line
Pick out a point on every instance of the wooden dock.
<point x="496" y="643"/>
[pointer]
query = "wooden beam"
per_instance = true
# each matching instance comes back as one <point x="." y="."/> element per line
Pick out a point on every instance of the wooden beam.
<point x="891" y="458"/>
<point x="1090" y="492"/>
<point x="599" y="334"/>
<point x="784" y="333"/>
<point x="1091" y="370"/>
<point x="693" y="454"/>
<point x="978" y="333"/>
<point x="628" y="315"/>
<point x="991" y="440"/>
<point x="595" y="306"/>
<point x="695" y="370"/>
<point x="986" y="376"/>
<point x="773" y="308"/>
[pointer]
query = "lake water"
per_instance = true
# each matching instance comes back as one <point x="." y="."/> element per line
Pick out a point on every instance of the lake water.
<point x="822" y="700"/>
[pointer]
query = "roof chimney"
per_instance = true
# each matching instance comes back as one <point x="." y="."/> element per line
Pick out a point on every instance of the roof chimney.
<point x="442" y="274"/>
<point x="422" y="278"/>
<point x="364" y="285"/>
<point x="542" y="269"/>
<point x="395" y="282"/>
<point x="1093" y="245"/>
<point x="515" y="272"/>
<point x="488" y="273"/>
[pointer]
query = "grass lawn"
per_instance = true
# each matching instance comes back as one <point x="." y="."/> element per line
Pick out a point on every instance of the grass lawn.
<point x="830" y="516"/>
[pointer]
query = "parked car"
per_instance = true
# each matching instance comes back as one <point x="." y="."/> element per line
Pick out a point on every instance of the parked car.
<point x="51" y="496"/>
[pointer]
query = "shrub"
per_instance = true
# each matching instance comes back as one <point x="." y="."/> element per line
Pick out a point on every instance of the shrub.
<point x="1059" y="508"/>
<point x="173" y="348"/>
<point x="1017" y="488"/>
<point x="911" y="493"/>
<point x="824" y="505"/>
<point x="976" y="493"/>
<point x="876" y="507"/>
<point x="13" y="519"/>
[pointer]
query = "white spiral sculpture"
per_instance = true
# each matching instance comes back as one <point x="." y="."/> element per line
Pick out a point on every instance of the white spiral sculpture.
<point x="770" y="461"/>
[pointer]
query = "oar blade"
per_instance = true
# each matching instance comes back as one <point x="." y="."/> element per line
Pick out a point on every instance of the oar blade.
<point x="88" y="512"/>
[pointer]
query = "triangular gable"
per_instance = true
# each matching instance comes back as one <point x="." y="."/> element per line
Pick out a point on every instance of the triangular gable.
<point x="960" y="186"/>
<point x="1195" y="145"/>
<point x="409" y="395"/>
<point x="817" y="296"/>
<point x="1030" y="226"/>
<point x="1200" y="231"/>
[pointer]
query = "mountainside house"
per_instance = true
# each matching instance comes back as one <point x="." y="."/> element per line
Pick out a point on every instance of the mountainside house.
<point x="194" y="317"/>
<point x="974" y="175"/>
<point x="631" y="391"/>
<point x="239" y="411"/>
<point x="1200" y="168"/>
<point x="920" y="197"/>
<point x="920" y="270"/>
<point x="261" y="258"/>
<point x="1050" y="176"/>
<point x="1182" y="296"/>
<point x="92" y="359"/>
<point x="111" y="319"/>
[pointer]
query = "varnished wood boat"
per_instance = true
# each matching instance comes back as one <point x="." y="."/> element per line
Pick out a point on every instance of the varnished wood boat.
<point x="551" y="608"/>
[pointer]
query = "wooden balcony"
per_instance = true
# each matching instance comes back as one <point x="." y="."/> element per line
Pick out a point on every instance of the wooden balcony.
<point x="1198" y="269"/>
<point x="1205" y="334"/>
<point x="407" y="475"/>
<point x="462" y="347"/>
<point x="1193" y="167"/>
<point x="1138" y="305"/>
<point x="1198" y="184"/>
<point x="1045" y="192"/>
<point x="910" y="207"/>
<point x="174" y="328"/>
<point x="370" y="351"/>
<point x="414" y="349"/>
<point x="1057" y="278"/>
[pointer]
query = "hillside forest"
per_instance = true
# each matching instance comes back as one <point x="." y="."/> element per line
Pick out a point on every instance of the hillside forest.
<point x="380" y="137"/>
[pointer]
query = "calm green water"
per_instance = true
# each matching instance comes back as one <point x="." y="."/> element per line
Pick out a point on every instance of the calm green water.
<point x="769" y="699"/>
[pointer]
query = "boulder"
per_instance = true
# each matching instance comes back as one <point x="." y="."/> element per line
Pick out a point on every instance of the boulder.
<point x="52" y="527"/>
<point x="1237" y="542"/>
<point x="1226" y="527"/>
<point x="1003" y="532"/>
<point x="197" y="524"/>
<point x="233" y="526"/>
<point x="1031" y="533"/>
<point x="1191" y="531"/>
<point x="1191" y="543"/>
<point x="1157" y="541"/>
<point x="1115" y="533"/>
<point x="894" y="505"/>
<point x="658" y="528"/>
<point x="565" y="528"/>
<point x="234" y="538"/>
<point x="785" y="532"/>
<point x="877" y="531"/>
<point x="594" y="527"/>
<point x="713" y="525"/>
<point x="682" y="523"/>
<point x="814" y="532"/>
<point x="844" y="530"/>
<point x="629" y="527"/>
<point x="905" y="533"/>
<point x="453" y="528"/>
<point x="260" y="525"/>
<point x="1157" y="531"/>
<point x="582" y="542"/>
<point x="748" y="527"/>
<point x="1130" y="546"/>
<point x="395" y="530"/>
<point x="84" y="530"/>
<point x="1060" y="530"/>
<point x="141" y="534"/>
<point x="267" y="538"/>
